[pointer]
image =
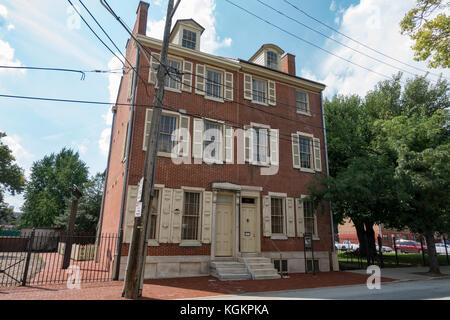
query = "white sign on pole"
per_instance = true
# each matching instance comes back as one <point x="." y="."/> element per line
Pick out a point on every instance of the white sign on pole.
<point x="138" y="211"/>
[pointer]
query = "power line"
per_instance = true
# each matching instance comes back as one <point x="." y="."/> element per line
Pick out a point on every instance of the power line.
<point x="358" y="42"/>
<point x="328" y="37"/>
<point x="83" y="72"/>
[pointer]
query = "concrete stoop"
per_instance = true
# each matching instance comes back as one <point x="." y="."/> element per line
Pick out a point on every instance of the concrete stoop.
<point x="229" y="270"/>
<point x="261" y="268"/>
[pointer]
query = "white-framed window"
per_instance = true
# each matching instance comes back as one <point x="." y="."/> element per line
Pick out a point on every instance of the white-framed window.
<point x="301" y="99"/>
<point x="309" y="217"/>
<point x="189" y="39"/>
<point x="214" y="83"/>
<point x="272" y="60"/>
<point x="260" y="145"/>
<point x="277" y="210"/>
<point x="190" y="227"/>
<point x="173" y="79"/>
<point x="166" y="138"/>
<point x="305" y="147"/>
<point x="154" y="212"/>
<point x="212" y="141"/>
<point x="259" y="91"/>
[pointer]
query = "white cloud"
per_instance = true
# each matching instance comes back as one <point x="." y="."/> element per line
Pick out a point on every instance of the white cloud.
<point x="201" y="11"/>
<point x="18" y="151"/>
<point x="11" y="27"/>
<point x="3" y="11"/>
<point x="333" y="5"/>
<point x="376" y="24"/>
<point x="7" y="56"/>
<point x="103" y="143"/>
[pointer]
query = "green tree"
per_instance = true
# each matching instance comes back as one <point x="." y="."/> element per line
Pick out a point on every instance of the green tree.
<point x="12" y="179"/>
<point x="89" y="207"/>
<point x="48" y="189"/>
<point x="429" y="27"/>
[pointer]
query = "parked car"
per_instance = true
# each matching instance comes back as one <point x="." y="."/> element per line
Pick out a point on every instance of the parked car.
<point x="347" y="245"/>
<point x="386" y="249"/>
<point x="440" y="248"/>
<point x="409" y="246"/>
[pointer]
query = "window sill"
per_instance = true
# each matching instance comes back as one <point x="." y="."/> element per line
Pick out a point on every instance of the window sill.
<point x="212" y="161"/>
<point x="152" y="243"/>
<point x="192" y="243"/>
<point x="214" y="99"/>
<point x="304" y="113"/>
<point x="307" y="170"/>
<point x="166" y="155"/>
<point x="279" y="237"/>
<point x="261" y="103"/>
<point x="259" y="164"/>
<point x="172" y="89"/>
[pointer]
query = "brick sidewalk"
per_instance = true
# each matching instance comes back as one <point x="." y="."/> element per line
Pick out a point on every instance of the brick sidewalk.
<point x="186" y="288"/>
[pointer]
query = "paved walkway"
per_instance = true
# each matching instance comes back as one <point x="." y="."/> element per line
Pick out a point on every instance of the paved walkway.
<point x="184" y="288"/>
<point x="406" y="274"/>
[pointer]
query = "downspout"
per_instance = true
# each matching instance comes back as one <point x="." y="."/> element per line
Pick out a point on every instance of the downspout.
<point x="328" y="171"/>
<point x="125" y="175"/>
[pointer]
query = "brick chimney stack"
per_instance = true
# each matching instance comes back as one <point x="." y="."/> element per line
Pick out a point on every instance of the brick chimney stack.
<point x="141" y="20"/>
<point x="288" y="64"/>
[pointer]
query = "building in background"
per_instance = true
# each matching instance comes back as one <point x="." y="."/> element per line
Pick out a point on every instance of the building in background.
<point x="250" y="134"/>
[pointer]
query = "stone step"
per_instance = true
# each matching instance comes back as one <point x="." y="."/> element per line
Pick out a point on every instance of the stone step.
<point x="231" y="270"/>
<point x="240" y="276"/>
<point x="267" y="276"/>
<point x="257" y="260"/>
<point x="264" y="271"/>
<point x="260" y="265"/>
<point x="230" y="264"/>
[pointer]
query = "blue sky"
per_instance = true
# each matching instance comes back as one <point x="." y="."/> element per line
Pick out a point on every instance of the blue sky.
<point x="46" y="33"/>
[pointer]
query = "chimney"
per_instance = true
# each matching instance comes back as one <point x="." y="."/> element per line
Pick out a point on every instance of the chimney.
<point x="141" y="19"/>
<point x="288" y="64"/>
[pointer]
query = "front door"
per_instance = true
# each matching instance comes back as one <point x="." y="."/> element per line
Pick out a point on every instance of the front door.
<point x="224" y="225"/>
<point x="248" y="225"/>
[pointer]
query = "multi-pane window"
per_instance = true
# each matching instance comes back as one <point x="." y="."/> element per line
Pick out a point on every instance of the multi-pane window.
<point x="189" y="39"/>
<point x="277" y="215"/>
<point x="167" y="127"/>
<point x="309" y="217"/>
<point x="173" y="79"/>
<point x="213" y="84"/>
<point x="260" y="145"/>
<point x="153" y="216"/>
<point x="301" y="101"/>
<point x="191" y="216"/>
<point x="305" y="152"/>
<point x="259" y="90"/>
<point x="272" y="60"/>
<point x="211" y="140"/>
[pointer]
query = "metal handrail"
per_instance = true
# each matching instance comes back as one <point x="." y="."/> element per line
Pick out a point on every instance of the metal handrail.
<point x="281" y="258"/>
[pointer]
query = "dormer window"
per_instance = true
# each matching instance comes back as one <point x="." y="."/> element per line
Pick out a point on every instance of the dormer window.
<point x="272" y="60"/>
<point x="189" y="39"/>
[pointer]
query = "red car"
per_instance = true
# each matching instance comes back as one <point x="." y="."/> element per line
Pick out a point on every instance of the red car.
<point x="409" y="246"/>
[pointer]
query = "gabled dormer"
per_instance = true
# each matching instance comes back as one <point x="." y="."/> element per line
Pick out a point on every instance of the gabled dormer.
<point x="187" y="33"/>
<point x="269" y="55"/>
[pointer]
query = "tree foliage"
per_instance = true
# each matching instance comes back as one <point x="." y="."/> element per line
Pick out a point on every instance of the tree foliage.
<point x="48" y="188"/>
<point x="429" y="27"/>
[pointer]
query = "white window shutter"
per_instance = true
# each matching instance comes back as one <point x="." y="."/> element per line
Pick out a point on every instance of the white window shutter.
<point x="177" y="214"/>
<point x="183" y="136"/>
<point x="267" y="217"/>
<point x="200" y="79"/>
<point x="187" y="76"/>
<point x="300" y="217"/>
<point x="229" y="147"/>
<point x="154" y="65"/>
<point x="148" y="121"/>
<point x="207" y="216"/>
<point x="248" y="87"/>
<point x="166" y="215"/>
<point x="228" y="86"/>
<point x="274" y="147"/>
<point x="290" y="217"/>
<point x="197" y="143"/>
<point x="248" y="144"/>
<point x="272" y="94"/>
<point x="317" y="157"/>
<point x="295" y="151"/>
<point x="129" y="213"/>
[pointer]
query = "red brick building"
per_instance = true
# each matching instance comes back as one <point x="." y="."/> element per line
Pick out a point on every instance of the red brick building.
<point x="250" y="135"/>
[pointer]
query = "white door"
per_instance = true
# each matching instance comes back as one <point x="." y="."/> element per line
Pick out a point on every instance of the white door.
<point x="224" y="225"/>
<point x="248" y="225"/>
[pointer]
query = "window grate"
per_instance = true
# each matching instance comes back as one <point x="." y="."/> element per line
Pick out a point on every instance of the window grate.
<point x="191" y="215"/>
<point x="277" y="215"/>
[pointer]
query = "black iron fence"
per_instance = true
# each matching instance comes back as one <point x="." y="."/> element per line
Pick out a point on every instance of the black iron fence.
<point x="38" y="259"/>
<point x="351" y="257"/>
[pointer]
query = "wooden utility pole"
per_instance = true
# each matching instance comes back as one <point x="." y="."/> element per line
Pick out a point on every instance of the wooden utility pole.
<point x="138" y="250"/>
<point x="71" y="226"/>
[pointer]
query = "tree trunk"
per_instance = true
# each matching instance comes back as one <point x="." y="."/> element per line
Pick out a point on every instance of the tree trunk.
<point x="432" y="257"/>
<point x="371" y="241"/>
<point x="361" y="233"/>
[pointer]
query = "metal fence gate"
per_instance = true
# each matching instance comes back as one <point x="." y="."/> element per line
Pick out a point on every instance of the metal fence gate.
<point x="38" y="259"/>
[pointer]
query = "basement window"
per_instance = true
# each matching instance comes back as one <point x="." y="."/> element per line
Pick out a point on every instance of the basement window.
<point x="309" y="265"/>
<point x="284" y="265"/>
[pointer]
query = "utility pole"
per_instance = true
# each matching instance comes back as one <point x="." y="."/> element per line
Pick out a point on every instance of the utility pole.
<point x="137" y="253"/>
